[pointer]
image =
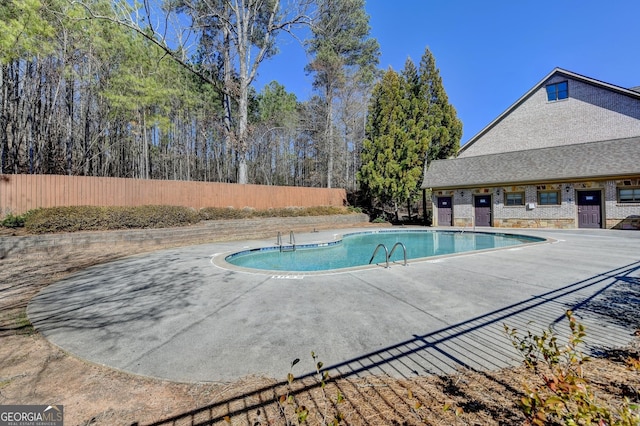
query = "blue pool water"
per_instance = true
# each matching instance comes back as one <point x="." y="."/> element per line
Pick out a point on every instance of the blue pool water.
<point x="356" y="249"/>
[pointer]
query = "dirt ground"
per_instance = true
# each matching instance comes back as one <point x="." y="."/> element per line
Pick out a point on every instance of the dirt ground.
<point x="33" y="371"/>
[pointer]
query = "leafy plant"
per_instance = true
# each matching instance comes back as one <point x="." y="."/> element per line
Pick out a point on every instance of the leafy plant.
<point x="301" y="412"/>
<point x="323" y="377"/>
<point x="13" y="221"/>
<point x="379" y="219"/>
<point x="289" y="406"/>
<point x="563" y="394"/>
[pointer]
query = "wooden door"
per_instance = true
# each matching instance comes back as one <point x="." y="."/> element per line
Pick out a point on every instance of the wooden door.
<point x="589" y="209"/>
<point x="482" y="207"/>
<point x="445" y="211"/>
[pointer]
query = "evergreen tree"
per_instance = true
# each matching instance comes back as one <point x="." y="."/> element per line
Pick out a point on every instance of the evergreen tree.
<point x="276" y="107"/>
<point x="388" y="154"/>
<point x="341" y="47"/>
<point x="274" y="127"/>
<point x="445" y="129"/>
<point x="408" y="126"/>
<point x="24" y="30"/>
<point x="417" y="125"/>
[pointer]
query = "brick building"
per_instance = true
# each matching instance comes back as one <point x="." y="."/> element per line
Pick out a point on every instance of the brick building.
<point x="564" y="155"/>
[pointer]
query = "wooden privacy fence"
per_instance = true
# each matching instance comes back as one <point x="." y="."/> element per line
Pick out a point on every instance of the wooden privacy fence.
<point x="20" y="193"/>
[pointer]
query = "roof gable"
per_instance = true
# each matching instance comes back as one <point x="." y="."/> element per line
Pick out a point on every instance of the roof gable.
<point x="526" y="122"/>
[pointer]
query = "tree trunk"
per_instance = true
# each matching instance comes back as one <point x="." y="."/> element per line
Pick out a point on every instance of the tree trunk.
<point x="243" y="149"/>
<point x="69" y="129"/>
<point x="424" y="206"/>
<point x="145" y="147"/>
<point x="4" y="123"/>
<point x="329" y="141"/>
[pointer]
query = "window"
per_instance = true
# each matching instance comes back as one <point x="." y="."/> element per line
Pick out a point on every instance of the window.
<point x="547" y="198"/>
<point x="558" y="91"/>
<point x="631" y="195"/>
<point x="514" y="199"/>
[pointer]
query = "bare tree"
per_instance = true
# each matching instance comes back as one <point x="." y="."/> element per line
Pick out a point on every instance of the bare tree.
<point x="341" y="49"/>
<point x="232" y="38"/>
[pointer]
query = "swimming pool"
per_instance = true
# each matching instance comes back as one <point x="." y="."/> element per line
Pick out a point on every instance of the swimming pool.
<point x="356" y="249"/>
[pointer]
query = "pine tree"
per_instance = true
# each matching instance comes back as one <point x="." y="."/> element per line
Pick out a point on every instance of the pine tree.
<point x="24" y="30"/>
<point x="417" y="125"/>
<point x="445" y="129"/>
<point x="340" y="44"/>
<point x="410" y="123"/>
<point x="388" y="151"/>
<point x="274" y="126"/>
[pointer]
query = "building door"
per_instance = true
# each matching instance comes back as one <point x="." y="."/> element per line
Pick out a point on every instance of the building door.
<point x="589" y="213"/>
<point x="482" y="207"/>
<point x="445" y="211"/>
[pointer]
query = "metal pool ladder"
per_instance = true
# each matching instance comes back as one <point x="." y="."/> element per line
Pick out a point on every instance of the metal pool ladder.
<point x="389" y="254"/>
<point x="292" y="242"/>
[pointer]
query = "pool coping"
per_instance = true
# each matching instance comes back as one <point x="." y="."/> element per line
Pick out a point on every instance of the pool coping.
<point x="219" y="259"/>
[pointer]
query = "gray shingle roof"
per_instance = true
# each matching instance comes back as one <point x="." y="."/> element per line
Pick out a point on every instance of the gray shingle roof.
<point x="604" y="159"/>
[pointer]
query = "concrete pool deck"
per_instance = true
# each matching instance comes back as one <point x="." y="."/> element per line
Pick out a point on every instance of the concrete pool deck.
<point x="176" y="314"/>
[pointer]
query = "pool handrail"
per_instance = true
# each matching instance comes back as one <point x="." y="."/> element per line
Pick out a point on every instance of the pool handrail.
<point x="292" y="241"/>
<point x="404" y="249"/>
<point x="376" y="251"/>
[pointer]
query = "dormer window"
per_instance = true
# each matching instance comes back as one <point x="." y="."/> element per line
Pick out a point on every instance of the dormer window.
<point x="557" y="91"/>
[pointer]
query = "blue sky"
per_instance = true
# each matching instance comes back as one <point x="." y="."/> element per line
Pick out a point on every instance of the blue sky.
<point x="491" y="52"/>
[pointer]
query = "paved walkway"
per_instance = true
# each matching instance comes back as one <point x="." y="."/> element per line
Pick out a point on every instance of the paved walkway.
<point x="175" y="314"/>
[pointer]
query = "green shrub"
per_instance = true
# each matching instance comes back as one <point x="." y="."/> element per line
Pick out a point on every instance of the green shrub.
<point x="283" y="212"/>
<point x="328" y="211"/>
<point x="222" y="213"/>
<point x="13" y="221"/>
<point x="218" y="213"/>
<point x="63" y="219"/>
<point x="88" y="218"/>
<point x="150" y="217"/>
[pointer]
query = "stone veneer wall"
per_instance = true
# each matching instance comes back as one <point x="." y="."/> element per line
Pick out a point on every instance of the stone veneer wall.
<point x="535" y="223"/>
<point x="631" y="222"/>
<point x="206" y="232"/>
<point x="563" y="216"/>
